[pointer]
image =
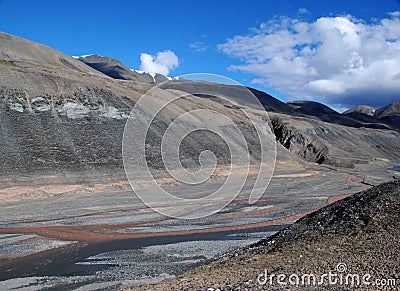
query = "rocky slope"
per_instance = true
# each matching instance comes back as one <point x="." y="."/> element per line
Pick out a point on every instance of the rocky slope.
<point x="325" y="142"/>
<point x="57" y="113"/>
<point x="357" y="235"/>
<point x="60" y="115"/>
<point x="313" y="131"/>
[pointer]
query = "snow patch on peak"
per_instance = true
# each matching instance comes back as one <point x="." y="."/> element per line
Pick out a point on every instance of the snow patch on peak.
<point x="138" y="71"/>
<point x="84" y="56"/>
<point x="172" y="78"/>
<point x="153" y="75"/>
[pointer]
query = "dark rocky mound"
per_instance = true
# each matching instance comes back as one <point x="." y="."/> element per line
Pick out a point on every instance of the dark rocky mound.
<point x="377" y="208"/>
<point x="271" y="103"/>
<point x="115" y="69"/>
<point x="361" y="234"/>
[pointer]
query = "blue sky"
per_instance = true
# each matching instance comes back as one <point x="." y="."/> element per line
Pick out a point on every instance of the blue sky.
<point x="231" y="38"/>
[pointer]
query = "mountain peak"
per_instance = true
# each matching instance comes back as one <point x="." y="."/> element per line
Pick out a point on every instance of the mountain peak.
<point x="364" y="109"/>
<point x="117" y="70"/>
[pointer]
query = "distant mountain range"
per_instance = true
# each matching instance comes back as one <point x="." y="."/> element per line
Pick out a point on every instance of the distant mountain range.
<point x="385" y="117"/>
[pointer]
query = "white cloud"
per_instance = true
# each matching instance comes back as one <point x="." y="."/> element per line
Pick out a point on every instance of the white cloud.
<point x="394" y="14"/>
<point x="303" y="11"/>
<point x="163" y="62"/>
<point x="342" y="61"/>
<point x="199" y="46"/>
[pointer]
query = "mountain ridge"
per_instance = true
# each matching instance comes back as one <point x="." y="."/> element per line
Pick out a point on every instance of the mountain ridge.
<point x="115" y="69"/>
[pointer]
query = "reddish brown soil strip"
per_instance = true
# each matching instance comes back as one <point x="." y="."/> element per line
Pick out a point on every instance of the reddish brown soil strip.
<point x="85" y="233"/>
<point x="104" y="213"/>
<point x="92" y="233"/>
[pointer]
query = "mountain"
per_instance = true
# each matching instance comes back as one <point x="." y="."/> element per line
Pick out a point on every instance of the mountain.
<point x="348" y="118"/>
<point x="16" y="51"/>
<point x="364" y="109"/>
<point x="60" y="114"/>
<point x="57" y="114"/>
<point x="357" y="235"/>
<point x="322" y="112"/>
<point x="390" y="114"/>
<point x="238" y="93"/>
<point x="115" y="69"/>
<point x="312" y="108"/>
<point x="392" y="109"/>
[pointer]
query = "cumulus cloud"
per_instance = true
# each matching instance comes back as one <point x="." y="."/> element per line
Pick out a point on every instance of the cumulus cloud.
<point x="342" y="61"/>
<point x="163" y="62"/>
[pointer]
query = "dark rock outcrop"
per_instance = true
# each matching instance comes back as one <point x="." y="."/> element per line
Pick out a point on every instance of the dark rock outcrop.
<point x="298" y="143"/>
